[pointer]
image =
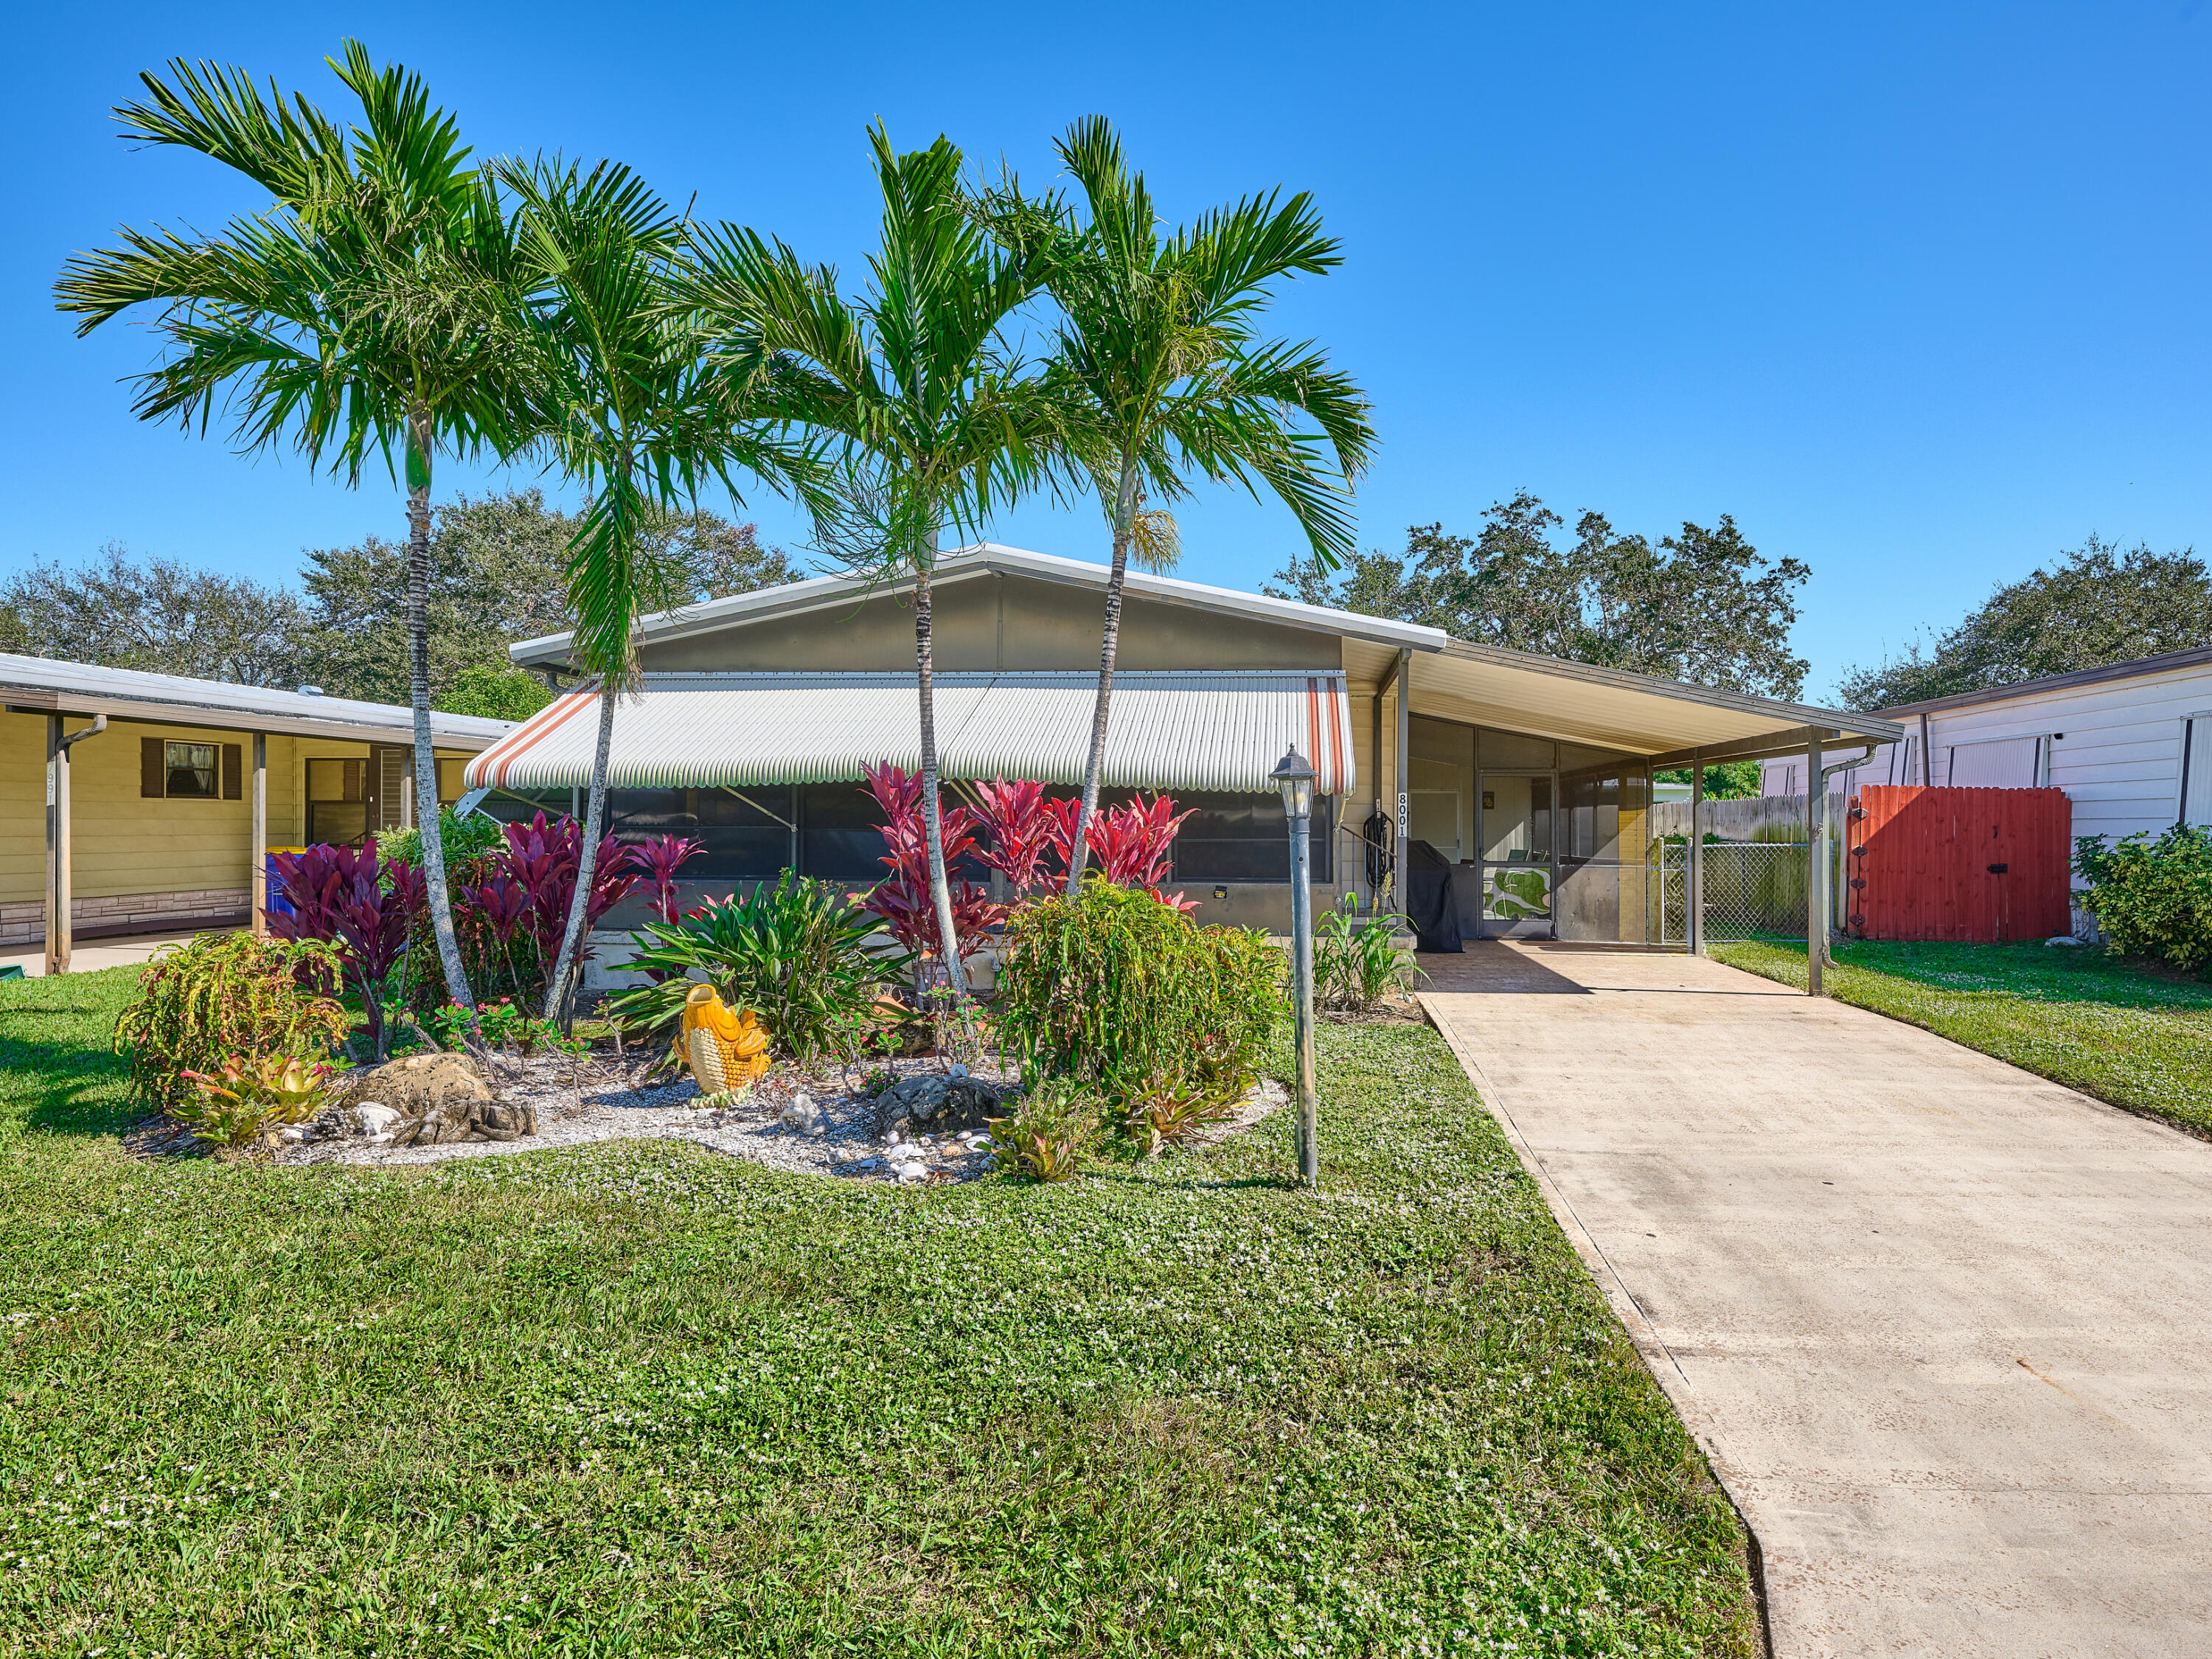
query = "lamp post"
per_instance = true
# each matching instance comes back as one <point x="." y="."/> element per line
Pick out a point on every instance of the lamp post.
<point x="1294" y="775"/>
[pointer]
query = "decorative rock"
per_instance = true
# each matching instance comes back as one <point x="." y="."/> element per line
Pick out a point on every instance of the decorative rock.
<point x="957" y="1070"/>
<point x="2064" y="939"/>
<point x="801" y="1113"/>
<point x="944" y="1103"/>
<point x="427" y="1100"/>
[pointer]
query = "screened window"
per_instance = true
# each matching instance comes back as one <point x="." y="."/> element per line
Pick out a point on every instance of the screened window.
<point x="194" y="771"/>
<point x="1243" y="838"/>
<point x="747" y="835"/>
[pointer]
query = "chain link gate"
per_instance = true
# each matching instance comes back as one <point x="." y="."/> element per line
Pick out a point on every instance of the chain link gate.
<point x="1754" y="889"/>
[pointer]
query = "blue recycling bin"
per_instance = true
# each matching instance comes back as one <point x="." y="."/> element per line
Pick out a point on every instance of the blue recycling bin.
<point x="275" y="902"/>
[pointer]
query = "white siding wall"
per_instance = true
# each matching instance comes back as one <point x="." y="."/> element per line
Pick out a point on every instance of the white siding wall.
<point x="2117" y="751"/>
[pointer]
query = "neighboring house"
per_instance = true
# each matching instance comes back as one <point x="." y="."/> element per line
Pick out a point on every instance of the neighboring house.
<point x="2130" y="744"/>
<point x="157" y="822"/>
<point x="1528" y="777"/>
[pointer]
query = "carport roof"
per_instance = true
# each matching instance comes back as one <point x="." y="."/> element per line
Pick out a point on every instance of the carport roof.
<point x="40" y="684"/>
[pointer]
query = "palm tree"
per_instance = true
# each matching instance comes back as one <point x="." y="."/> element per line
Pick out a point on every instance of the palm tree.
<point x="1162" y="374"/>
<point x="916" y="379"/>
<point x="635" y="413"/>
<point x="371" y="304"/>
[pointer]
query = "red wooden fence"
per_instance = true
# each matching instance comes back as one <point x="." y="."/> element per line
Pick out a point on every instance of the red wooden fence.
<point x="1973" y="864"/>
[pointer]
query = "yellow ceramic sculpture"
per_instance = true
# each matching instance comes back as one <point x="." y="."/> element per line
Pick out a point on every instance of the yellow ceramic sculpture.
<point x="726" y="1050"/>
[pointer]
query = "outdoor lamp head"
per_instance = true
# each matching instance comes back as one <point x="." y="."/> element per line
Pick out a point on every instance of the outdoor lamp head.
<point x="1294" y="774"/>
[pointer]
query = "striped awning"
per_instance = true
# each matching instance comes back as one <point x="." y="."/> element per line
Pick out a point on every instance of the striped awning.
<point x="1219" y="731"/>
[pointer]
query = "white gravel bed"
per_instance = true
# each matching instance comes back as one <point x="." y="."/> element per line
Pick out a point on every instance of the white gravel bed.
<point x="593" y="1099"/>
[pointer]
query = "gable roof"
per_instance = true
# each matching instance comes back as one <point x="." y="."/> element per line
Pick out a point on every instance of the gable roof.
<point x="989" y="559"/>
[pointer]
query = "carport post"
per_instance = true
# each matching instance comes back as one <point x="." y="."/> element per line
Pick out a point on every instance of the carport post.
<point x="256" y="886"/>
<point x="57" y="849"/>
<point x="1405" y="771"/>
<point x="1695" y="923"/>
<point x="1816" y="863"/>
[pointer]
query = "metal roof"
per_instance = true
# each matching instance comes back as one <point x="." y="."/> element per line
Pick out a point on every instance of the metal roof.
<point x="2195" y="657"/>
<point x="985" y="559"/>
<point x="41" y="683"/>
<point x="1170" y="731"/>
<point x="1613" y="709"/>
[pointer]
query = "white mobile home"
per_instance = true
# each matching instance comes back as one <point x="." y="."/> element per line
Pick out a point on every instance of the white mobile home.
<point x="2130" y="744"/>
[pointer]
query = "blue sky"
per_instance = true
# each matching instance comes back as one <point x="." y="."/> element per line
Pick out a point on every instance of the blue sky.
<point x="1917" y="293"/>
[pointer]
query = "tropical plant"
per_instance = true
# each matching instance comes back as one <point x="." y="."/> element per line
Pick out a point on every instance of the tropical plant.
<point x="1357" y="963"/>
<point x="795" y="953"/>
<point x="1168" y="1108"/>
<point x="939" y="423"/>
<point x="1045" y="1135"/>
<point x="902" y="898"/>
<point x="374" y="304"/>
<point x="1019" y="825"/>
<point x="465" y="841"/>
<point x="542" y="857"/>
<point x="636" y="415"/>
<point x="350" y="897"/>
<point x="2151" y="897"/>
<point x="1115" y="989"/>
<point x="225" y="994"/>
<point x="508" y="1026"/>
<point x="251" y="1095"/>
<point x="1160" y="374"/>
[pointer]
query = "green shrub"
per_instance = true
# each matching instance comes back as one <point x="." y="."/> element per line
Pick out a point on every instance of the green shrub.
<point x="1168" y="1108"/>
<point x="796" y="953"/>
<point x="465" y="841"/>
<point x="1115" y="989"/>
<point x="1356" y="964"/>
<point x="2152" y="898"/>
<point x="225" y="997"/>
<point x="1048" y="1132"/>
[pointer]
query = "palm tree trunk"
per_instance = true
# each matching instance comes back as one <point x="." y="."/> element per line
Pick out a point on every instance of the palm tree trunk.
<point x="426" y="763"/>
<point x="560" y="1002"/>
<point x="1125" y="518"/>
<point x="933" y="820"/>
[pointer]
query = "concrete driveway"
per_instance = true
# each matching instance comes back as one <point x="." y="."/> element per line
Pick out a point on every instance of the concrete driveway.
<point x="1943" y="1328"/>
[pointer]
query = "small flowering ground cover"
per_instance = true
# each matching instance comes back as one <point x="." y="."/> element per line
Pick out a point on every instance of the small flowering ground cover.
<point x="2139" y="1036"/>
<point x="652" y="1399"/>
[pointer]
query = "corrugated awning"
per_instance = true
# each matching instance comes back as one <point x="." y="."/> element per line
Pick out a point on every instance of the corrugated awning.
<point x="1219" y="731"/>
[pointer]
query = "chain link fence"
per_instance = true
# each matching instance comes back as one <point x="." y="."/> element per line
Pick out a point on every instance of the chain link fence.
<point x="1754" y="889"/>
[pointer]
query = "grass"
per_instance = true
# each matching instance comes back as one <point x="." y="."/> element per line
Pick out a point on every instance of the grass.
<point x="646" y="1400"/>
<point x="2135" y="1035"/>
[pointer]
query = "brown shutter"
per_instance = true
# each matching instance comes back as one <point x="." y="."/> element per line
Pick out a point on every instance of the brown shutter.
<point x="352" y="780"/>
<point x="153" y="768"/>
<point x="234" y="771"/>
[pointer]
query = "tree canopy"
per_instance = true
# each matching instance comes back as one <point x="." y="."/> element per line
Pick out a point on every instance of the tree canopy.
<point x="1702" y="606"/>
<point x="2096" y="606"/>
<point x="498" y="574"/>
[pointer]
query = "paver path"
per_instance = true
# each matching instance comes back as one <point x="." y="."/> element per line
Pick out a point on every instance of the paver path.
<point x="1944" y="1328"/>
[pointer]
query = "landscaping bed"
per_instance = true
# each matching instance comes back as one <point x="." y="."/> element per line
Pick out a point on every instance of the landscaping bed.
<point x="2136" y="1034"/>
<point x="640" y="1398"/>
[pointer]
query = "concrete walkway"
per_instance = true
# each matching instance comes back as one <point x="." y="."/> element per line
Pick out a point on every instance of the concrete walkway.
<point x="1943" y="1328"/>
<point x="89" y="956"/>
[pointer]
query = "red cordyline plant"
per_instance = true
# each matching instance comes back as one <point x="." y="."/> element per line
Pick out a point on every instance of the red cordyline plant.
<point x="660" y="859"/>
<point x="543" y="855"/>
<point x="1020" y="822"/>
<point x="902" y="898"/>
<point x="354" y="900"/>
<point x="1131" y="844"/>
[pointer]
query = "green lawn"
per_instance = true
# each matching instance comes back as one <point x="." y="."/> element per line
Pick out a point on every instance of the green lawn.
<point x="2135" y="1036"/>
<point x="647" y="1400"/>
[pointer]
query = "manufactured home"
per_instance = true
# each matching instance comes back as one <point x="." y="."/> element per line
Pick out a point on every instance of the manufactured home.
<point x="2130" y="744"/>
<point x="1525" y="779"/>
<point x="134" y="803"/>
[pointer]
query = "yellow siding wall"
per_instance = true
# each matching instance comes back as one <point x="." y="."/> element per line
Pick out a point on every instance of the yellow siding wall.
<point x="127" y="844"/>
<point x="23" y="807"/>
